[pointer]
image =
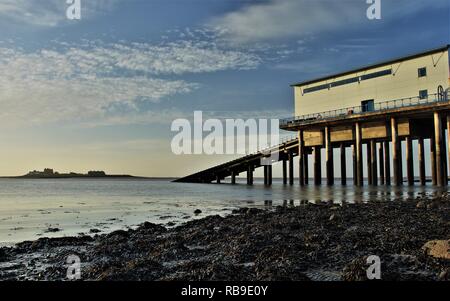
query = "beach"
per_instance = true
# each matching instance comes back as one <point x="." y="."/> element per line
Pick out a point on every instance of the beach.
<point x="312" y="241"/>
<point x="34" y="208"/>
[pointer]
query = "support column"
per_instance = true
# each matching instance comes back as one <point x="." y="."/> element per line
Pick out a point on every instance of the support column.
<point x="343" y="165"/>
<point x="301" y="160"/>
<point x="317" y="166"/>
<point x="444" y="154"/>
<point x="387" y="163"/>
<point x="409" y="161"/>
<point x="233" y="177"/>
<point x="284" y="169"/>
<point x="291" y="168"/>
<point x="355" y="169"/>
<point x="439" y="150"/>
<point x="396" y="153"/>
<point x="266" y="175"/>
<point x="250" y="175"/>
<point x="381" y="162"/>
<point x="305" y="160"/>
<point x="359" y="161"/>
<point x="329" y="157"/>
<point x="218" y="179"/>
<point x="373" y="163"/>
<point x="448" y="145"/>
<point x="369" y="163"/>
<point x="269" y="175"/>
<point x="421" y="162"/>
<point x="433" y="161"/>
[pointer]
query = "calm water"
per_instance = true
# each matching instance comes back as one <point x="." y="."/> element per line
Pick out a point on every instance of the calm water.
<point x="29" y="207"/>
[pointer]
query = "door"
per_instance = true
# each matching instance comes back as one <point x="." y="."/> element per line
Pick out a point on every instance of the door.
<point x="367" y="105"/>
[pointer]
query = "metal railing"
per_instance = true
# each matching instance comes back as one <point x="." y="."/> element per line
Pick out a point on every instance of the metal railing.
<point x="377" y="107"/>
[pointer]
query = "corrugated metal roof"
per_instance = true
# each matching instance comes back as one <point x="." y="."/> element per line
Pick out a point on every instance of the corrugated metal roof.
<point x="380" y="64"/>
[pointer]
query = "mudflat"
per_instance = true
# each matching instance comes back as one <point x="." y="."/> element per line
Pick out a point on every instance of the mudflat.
<point x="313" y="241"/>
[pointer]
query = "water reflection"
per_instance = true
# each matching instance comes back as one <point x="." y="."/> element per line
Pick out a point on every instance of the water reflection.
<point x="280" y="194"/>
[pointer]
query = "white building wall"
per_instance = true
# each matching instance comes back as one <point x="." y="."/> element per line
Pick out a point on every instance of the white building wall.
<point x="403" y="82"/>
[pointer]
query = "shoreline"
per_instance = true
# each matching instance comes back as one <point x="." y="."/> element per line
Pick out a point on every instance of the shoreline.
<point x="113" y="177"/>
<point x="321" y="241"/>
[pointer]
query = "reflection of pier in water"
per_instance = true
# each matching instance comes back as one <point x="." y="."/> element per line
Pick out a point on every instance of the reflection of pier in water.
<point x="340" y="195"/>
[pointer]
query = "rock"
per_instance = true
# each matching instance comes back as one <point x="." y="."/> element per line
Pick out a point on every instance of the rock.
<point x="444" y="275"/>
<point x="197" y="211"/>
<point x="93" y="231"/>
<point x="356" y="270"/>
<point x="437" y="249"/>
<point x="151" y="227"/>
<point x="52" y="230"/>
<point x="420" y="204"/>
<point x="2" y="255"/>
<point x="433" y="205"/>
<point x="252" y="211"/>
<point x="332" y="217"/>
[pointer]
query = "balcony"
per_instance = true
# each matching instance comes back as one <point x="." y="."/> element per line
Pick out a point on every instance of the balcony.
<point x="356" y="111"/>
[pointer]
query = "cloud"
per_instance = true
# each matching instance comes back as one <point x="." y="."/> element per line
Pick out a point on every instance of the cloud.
<point x="277" y="19"/>
<point x="49" y="12"/>
<point x="97" y="81"/>
<point x="170" y="58"/>
<point x="281" y="19"/>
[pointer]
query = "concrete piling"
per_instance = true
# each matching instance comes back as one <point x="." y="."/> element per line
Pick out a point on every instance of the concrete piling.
<point x="378" y="137"/>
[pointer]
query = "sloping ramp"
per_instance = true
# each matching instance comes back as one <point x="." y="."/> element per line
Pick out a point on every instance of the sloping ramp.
<point x="243" y="164"/>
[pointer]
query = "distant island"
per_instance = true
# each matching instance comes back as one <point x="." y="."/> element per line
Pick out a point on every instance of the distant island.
<point x="49" y="173"/>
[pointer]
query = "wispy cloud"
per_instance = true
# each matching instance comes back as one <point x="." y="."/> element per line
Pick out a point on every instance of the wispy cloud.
<point x="93" y="81"/>
<point x="281" y="19"/>
<point x="278" y="19"/>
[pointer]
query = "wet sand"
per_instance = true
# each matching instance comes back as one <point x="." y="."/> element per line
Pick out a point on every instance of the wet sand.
<point x="32" y="209"/>
<point x="313" y="241"/>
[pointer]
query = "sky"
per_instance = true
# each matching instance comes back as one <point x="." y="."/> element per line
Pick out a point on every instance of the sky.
<point x="100" y="93"/>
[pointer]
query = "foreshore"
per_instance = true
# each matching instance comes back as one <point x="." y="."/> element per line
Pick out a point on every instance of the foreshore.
<point x="321" y="241"/>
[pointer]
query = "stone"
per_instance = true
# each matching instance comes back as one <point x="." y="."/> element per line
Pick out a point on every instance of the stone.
<point x="53" y="230"/>
<point x="433" y="205"/>
<point x="443" y="275"/>
<point x="197" y="211"/>
<point x="437" y="249"/>
<point x="420" y="204"/>
<point x="3" y="255"/>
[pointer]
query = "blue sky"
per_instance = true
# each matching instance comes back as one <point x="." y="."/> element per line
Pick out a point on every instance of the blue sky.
<point x="101" y="92"/>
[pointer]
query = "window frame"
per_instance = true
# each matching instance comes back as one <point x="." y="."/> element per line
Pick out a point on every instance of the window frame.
<point x="421" y="96"/>
<point x="422" y="72"/>
<point x="368" y="105"/>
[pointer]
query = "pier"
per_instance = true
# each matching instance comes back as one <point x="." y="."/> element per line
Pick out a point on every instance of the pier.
<point x="364" y="106"/>
<point x="382" y="130"/>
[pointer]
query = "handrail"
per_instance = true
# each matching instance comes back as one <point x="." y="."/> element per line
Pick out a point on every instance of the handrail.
<point x="284" y="141"/>
<point x="378" y="107"/>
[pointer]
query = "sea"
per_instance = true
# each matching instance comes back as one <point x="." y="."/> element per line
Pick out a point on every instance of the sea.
<point x="35" y="208"/>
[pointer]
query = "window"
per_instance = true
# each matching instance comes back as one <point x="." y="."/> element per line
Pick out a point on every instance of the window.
<point x="316" y="88"/>
<point x="423" y="94"/>
<point x="367" y="105"/>
<point x="345" y="82"/>
<point x="376" y="74"/>
<point x="422" y="72"/>
<point x="348" y="81"/>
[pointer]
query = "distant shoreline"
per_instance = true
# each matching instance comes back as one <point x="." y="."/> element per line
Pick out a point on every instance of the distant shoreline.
<point x="85" y="177"/>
